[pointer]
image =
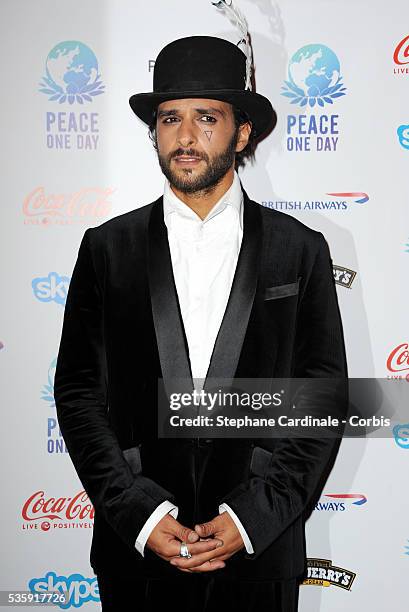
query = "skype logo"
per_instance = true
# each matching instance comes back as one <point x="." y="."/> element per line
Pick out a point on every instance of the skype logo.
<point x="403" y="135"/>
<point x="74" y="589"/>
<point x="51" y="288"/>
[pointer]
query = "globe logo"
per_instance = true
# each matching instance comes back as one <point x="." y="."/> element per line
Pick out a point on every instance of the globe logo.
<point x="314" y="77"/>
<point x="48" y="389"/>
<point x="71" y="74"/>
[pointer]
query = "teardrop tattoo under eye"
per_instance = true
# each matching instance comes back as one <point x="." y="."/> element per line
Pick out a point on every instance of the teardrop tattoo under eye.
<point x="209" y="134"/>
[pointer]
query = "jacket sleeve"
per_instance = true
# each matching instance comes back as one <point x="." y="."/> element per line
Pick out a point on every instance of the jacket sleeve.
<point x="267" y="506"/>
<point x="123" y="498"/>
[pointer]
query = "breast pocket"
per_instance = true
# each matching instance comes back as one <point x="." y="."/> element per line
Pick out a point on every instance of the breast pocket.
<point x="133" y="457"/>
<point x="260" y="461"/>
<point x="281" y="291"/>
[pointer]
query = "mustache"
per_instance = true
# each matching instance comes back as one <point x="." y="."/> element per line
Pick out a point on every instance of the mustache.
<point x="188" y="153"/>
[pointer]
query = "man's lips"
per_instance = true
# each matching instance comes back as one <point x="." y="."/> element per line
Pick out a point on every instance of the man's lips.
<point x="187" y="159"/>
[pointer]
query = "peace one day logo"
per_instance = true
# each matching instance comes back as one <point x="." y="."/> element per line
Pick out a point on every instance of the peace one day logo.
<point x="314" y="81"/>
<point x="72" y="76"/>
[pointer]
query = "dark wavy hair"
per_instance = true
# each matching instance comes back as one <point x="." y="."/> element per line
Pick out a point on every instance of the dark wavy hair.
<point x="240" y="117"/>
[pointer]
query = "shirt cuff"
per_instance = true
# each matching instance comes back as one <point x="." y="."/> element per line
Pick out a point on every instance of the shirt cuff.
<point x="165" y="507"/>
<point x="243" y="533"/>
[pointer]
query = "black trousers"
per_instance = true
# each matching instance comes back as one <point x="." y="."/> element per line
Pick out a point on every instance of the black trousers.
<point x="195" y="593"/>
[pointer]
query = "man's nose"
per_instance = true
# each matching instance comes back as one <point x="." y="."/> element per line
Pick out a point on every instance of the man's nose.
<point x="187" y="133"/>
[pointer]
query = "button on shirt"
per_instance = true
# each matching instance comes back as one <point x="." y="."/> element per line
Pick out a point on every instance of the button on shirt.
<point x="204" y="257"/>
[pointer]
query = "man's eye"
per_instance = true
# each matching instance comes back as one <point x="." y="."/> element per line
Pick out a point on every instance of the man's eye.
<point x="167" y="119"/>
<point x="212" y="119"/>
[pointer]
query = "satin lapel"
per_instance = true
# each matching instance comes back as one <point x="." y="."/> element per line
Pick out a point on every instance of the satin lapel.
<point x="168" y="322"/>
<point x="229" y="341"/>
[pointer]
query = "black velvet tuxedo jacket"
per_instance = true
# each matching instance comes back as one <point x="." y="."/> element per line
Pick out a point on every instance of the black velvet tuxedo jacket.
<point x="123" y="329"/>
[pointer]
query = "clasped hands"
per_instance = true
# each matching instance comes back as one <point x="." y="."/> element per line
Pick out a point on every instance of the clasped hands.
<point x="210" y="544"/>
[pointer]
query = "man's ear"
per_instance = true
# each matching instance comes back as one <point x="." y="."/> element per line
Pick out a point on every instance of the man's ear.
<point x="244" y="135"/>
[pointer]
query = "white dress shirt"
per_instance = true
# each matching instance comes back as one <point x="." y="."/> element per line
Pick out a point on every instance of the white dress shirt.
<point x="204" y="257"/>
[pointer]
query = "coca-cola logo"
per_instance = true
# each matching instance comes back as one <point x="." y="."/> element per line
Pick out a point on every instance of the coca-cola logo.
<point x="89" y="202"/>
<point x="401" y="53"/>
<point x="38" y="507"/>
<point x="398" y="360"/>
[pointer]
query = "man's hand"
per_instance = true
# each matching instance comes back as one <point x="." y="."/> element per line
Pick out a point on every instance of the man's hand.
<point x="223" y="528"/>
<point x="167" y="536"/>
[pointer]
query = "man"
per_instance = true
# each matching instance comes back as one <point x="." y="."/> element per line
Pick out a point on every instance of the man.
<point x="201" y="283"/>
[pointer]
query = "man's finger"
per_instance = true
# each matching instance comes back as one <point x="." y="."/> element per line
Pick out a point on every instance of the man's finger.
<point x="206" y="529"/>
<point x="209" y="566"/>
<point x="198" y="559"/>
<point x="201" y="547"/>
<point x="184" y="534"/>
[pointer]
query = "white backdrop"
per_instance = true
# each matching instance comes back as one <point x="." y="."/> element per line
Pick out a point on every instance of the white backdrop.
<point x="74" y="155"/>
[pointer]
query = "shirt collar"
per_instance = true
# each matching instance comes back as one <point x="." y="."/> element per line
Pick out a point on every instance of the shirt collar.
<point x="233" y="197"/>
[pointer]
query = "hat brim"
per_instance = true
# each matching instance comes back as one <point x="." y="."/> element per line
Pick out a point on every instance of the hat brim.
<point x="258" y="107"/>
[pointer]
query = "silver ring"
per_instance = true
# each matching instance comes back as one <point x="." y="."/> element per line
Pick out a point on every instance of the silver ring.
<point x="184" y="551"/>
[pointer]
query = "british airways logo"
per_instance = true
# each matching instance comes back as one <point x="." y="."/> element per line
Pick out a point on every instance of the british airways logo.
<point x="339" y="502"/>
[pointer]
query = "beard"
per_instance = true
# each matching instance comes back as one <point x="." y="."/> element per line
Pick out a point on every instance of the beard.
<point x="205" y="182"/>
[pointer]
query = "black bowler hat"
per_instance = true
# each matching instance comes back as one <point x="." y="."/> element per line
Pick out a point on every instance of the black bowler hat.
<point x="204" y="67"/>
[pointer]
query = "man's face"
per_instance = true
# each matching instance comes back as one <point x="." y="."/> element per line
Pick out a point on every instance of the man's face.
<point x="196" y="142"/>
